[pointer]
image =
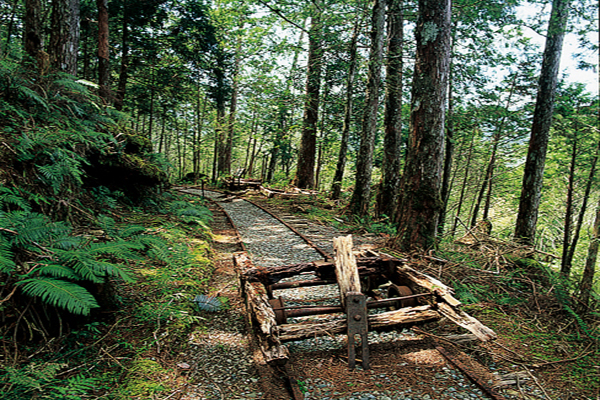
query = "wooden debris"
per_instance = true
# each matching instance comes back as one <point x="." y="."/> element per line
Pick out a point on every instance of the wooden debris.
<point x="430" y="283"/>
<point x="409" y="315"/>
<point x="464" y="320"/>
<point x="346" y="270"/>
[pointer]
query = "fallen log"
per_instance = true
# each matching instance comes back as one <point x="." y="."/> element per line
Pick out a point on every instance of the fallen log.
<point x="409" y="315"/>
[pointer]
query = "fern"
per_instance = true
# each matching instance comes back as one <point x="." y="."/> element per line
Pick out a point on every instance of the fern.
<point x="57" y="271"/>
<point x="34" y="96"/>
<point x="11" y="196"/>
<point x="6" y="256"/>
<point x="59" y="293"/>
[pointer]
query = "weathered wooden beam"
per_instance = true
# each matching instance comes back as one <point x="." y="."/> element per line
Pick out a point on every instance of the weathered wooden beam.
<point x="464" y="320"/>
<point x="429" y="283"/>
<point x="258" y="304"/>
<point x="273" y="351"/>
<point x="403" y="316"/>
<point x="323" y="269"/>
<point x="346" y="270"/>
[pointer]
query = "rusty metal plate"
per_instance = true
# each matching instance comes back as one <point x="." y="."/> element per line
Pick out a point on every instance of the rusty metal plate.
<point x="356" y="312"/>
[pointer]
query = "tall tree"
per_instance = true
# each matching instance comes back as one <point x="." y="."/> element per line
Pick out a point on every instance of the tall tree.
<point x="103" y="51"/>
<point x="359" y="204"/>
<point x="33" y="38"/>
<point x="585" y="287"/>
<point x="64" y="35"/>
<point x="305" y="171"/>
<point x="336" y="187"/>
<point x="420" y="202"/>
<point x="531" y="190"/>
<point x="389" y="191"/>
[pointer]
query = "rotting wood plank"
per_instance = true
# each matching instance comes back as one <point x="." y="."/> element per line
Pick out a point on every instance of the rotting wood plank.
<point x="408" y="315"/>
<point x="346" y="270"/>
<point x="258" y="304"/>
<point x="466" y="321"/>
<point x="429" y="283"/>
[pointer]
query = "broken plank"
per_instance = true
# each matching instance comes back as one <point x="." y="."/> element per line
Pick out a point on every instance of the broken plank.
<point x="408" y="315"/>
<point x="464" y="320"/>
<point x="430" y="284"/>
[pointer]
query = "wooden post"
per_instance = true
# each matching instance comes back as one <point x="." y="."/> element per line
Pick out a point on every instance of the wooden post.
<point x="346" y="270"/>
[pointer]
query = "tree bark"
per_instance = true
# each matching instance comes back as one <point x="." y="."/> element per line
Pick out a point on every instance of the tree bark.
<point x="33" y="38"/>
<point x="336" y="187"/>
<point x="389" y="191"/>
<point x="531" y="191"/>
<point x="448" y="155"/>
<point x="565" y="265"/>
<point x="123" y="74"/>
<point x="359" y="204"/>
<point x="464" y="186"/>
<point x="421" y="203"/>
<point x="586" y="196"/>
<point x="103" y="51"/>
<point x="585" y="287"/>
<point x="305" y="170"/>
<point x="64" y="35"/>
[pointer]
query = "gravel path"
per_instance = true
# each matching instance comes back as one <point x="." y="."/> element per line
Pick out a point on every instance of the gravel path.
<point x="399" y="372"/>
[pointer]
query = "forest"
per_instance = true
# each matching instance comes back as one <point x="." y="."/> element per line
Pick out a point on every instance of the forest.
<point x="421" y="121"/>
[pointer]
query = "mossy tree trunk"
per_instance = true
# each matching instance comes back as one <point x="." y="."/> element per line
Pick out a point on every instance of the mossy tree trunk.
<point x="421" y="203"/>
<point x="359" y="204"/>
<point x="389" y="191"/>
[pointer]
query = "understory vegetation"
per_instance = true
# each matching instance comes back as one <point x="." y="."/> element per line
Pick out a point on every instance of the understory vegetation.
<point x="99" y="266"/>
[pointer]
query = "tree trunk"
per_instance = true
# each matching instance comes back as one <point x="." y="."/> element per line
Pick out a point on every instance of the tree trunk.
<point x="336" y="187"/>
<point x="585" y="287"/>
<point x="586" y="196"/>
<point x="305" y="172"/>
<point x="531" y="191"/>
<point x="33" y="28"/>
<point x="64" y="35"/>
<point x="123" y="75"/>
<point x="464" y="186"/>
<point x="421" y="203"/>
<point x="389" y="191"/>
<point x="565" y="265"/>
<point x="359" y="204"/>
<point x="103" y="51"/>
<point x="449" y="154"/>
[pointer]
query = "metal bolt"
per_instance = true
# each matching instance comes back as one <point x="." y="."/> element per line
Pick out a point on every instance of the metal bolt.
<point x="357" y="317"/>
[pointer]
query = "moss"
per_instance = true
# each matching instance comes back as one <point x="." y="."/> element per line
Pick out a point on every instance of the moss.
<point x="145" y="379"/>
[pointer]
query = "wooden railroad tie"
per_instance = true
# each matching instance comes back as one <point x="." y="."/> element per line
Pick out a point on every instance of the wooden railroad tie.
<point x="416" y="299"/>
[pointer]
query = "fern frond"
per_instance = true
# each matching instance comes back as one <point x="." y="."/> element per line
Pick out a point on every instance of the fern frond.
<point x="6" y="257"/>
<point x="116" y="270"/>
<point x="84" y="266"/>
<point x="35" y="97"/>
<point x="130" y="231"/>
<point x="59" y="293"/>
<point x="57" y="271"/>
<point x="11" y="196"/>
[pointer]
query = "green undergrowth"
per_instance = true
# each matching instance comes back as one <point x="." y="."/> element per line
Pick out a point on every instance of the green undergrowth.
<point x="129" y="350"/>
